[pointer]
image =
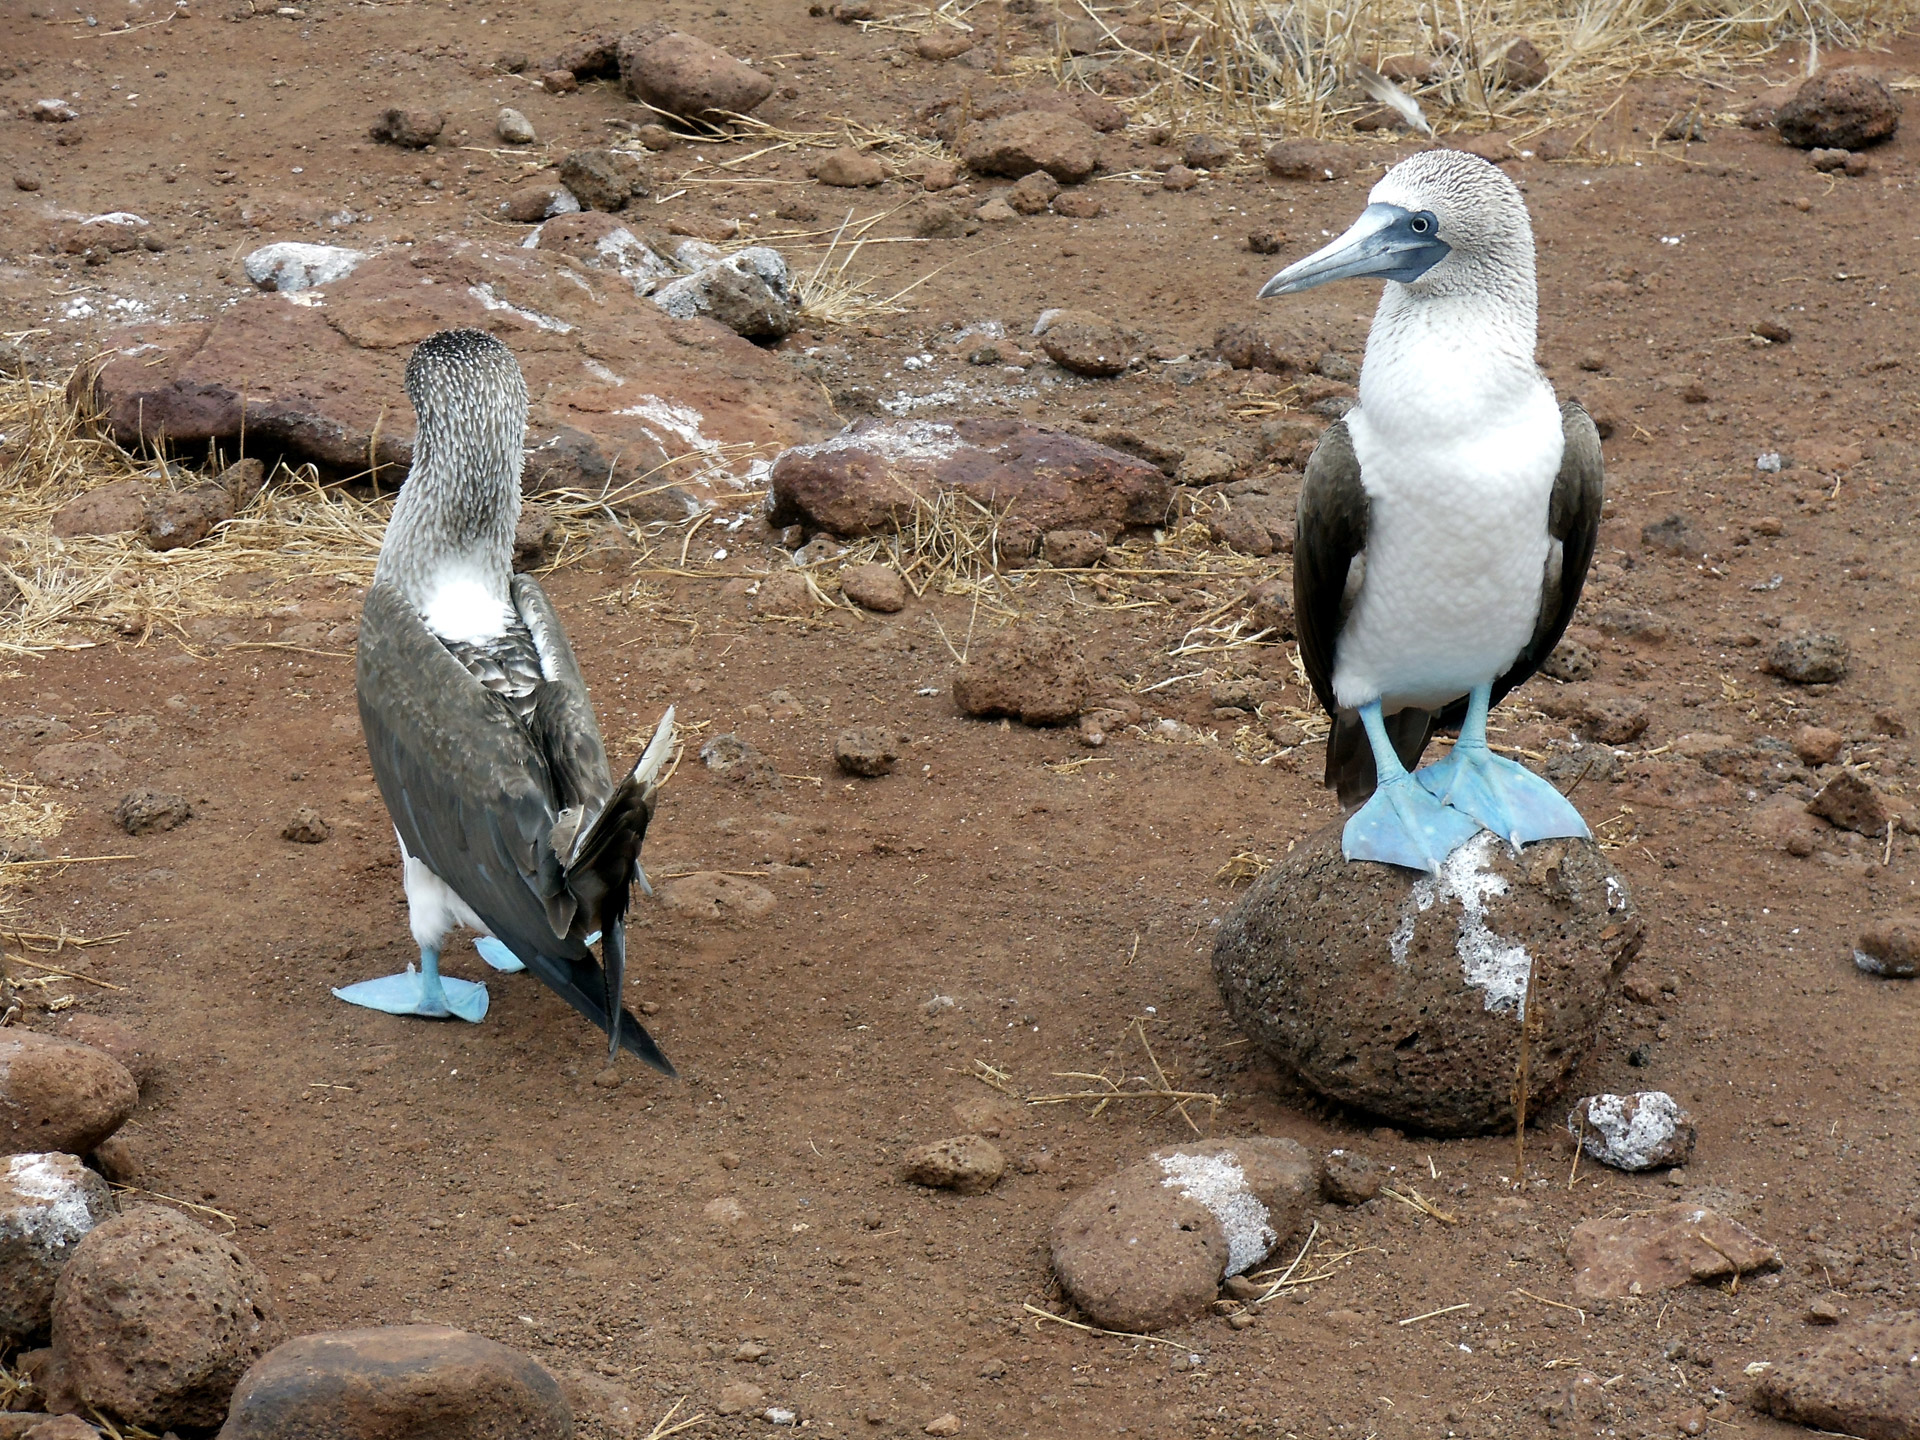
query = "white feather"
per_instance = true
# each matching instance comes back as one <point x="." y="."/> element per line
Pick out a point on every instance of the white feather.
<point x="1383" y="91"/>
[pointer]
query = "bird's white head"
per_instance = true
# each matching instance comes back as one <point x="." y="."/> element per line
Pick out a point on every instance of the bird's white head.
<point x="461" y="501"/>
<point x="1441" y="223"/>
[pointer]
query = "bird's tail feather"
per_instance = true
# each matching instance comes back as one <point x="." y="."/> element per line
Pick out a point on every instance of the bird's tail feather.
<point x="583" y="984"/>
<point x="1350" y="768"/>
<point x="632" y="799"/>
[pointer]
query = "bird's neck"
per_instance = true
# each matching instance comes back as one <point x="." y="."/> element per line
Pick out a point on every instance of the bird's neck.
<point x="1444" y="363"/>
<point x="455" y="518"/>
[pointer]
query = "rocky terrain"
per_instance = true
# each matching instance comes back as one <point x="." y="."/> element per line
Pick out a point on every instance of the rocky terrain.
<point x="993" y="718"/>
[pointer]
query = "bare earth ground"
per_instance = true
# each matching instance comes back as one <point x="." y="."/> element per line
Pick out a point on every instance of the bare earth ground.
<point x="381" y="1169"/>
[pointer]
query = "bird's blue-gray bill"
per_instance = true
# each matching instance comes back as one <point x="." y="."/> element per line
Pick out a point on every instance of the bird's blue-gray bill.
<point x="1385" y="243"/>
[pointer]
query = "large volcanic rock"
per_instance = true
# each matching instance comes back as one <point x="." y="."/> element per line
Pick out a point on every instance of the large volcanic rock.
<point x="1402" y="994"/>
<point x="617" y="384"/>
<point x="869" y="478"/>
<point x="1842" y="109"/>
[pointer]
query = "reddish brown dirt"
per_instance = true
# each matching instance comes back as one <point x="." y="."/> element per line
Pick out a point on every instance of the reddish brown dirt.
<point x="382" y="1169"/>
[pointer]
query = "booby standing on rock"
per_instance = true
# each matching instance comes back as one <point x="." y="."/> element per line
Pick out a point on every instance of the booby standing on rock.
<point x="1446" y="524"/>
<point x="479" y="727"/>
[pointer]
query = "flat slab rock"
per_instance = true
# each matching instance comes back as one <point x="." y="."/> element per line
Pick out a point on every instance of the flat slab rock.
<point x="617" y="383"/>
<point x="398" y="1380"/>
<point x="869" y="478"/>
<point x="1401" y="994"/>
<point x="1859" y="1379"/>
<point x="1149" y="1248"/>
<point x="1673" y="1246"/>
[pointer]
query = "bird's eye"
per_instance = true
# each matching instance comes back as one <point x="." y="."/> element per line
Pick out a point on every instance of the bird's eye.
<point x="1420" y="224"/>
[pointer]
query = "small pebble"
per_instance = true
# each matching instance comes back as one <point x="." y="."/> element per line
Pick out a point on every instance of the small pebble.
<point x="948" y="1424"/>
<point x="513" y="128"/>
<point x="1178" y="177"/>
<point x="1823" y="1310"/>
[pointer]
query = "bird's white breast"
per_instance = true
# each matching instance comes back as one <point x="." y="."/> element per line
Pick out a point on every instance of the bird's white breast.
<point x="1458" y="454"/>
<point x="463" y="609"/>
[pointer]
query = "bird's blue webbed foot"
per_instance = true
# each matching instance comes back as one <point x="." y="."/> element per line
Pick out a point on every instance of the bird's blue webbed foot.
<point x="497" y="955"/>
<point x="423" y="992"/>
<point x="1501" y="794"/>
<point x="1401" y="824"/>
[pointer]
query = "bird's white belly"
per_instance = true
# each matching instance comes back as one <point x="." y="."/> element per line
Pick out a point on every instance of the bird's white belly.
<point x="1457" y="548"/>
<point x="433" y="909"/>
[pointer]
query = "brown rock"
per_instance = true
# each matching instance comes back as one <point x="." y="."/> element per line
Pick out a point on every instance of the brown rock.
<point x="943" y="1425"/>
<point x="306" y="827"/>
<point x="1350" y="1179"/>
<point x="1308" y="160"/>
<point x="1270" y="608"/>
<point x="52" y="1427"/>
<point x="47" y="1204"/>
<point x="175" y="519"/>
<point x="1239" y="531"/>
<point x="120" y="1160"/>
<point x="849" y="168"/>
<point x="869" y="750"/>
<point x="1521" y="66"/>
<point x="869" y="478"/>
<point x="1206" y="152"/>
<point x="1150" y="1247"/>
<point x="594" y="55"/>
<point x="712" y="895"/>
<point x="111" y="509"/>
<point x="140" y="812"/>
<point x="122" y="1042"/>
<point x="1807" y="658"/>
<point x="943" y="45"/>
<point x="58" y="1094"/>
<point x="1074" y="549"/>
<point x="1861" y="1380"/>
<point x="537" y="535"/>
<point x="155" y="1318"/>
<point x="1030" y="671"/>
<point x="1673" y="1246"/>
<point x="874" y="587"/>
<point x="688" y="77"/>
<point x="995" y="212"/>
<point x="538" y="200"/>
<point x="1247" y="346"/>
<point x="1032" y="194"/>
<point x="395" y="1381"/>
<point x="410" y="129"/>
<point x="966" y="1164"/>
<point x="1852" y="802"/>
<point x="559" y="82"/>
<point x="1016" y="145"/>
<point x="1077" y="204"/>
<point x="1085" y="343"/>
<point x="785" y="592"/>
<point x="1817" y="745"/>
<point x="940" y="175"/>
<point x="1845" y="109"/>
<point x="1178" y="177"/>
<point x="738" y="762"/>
<point x="603" y="179"/>
<point x="740" y="1398"/>
<point x="322" y="384"/>
<point x="1400" y="994"/>
<point x="1890" y="948"/>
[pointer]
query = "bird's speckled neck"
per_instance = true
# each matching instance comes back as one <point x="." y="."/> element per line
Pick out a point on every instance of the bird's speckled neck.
<point x="455" y="518"/>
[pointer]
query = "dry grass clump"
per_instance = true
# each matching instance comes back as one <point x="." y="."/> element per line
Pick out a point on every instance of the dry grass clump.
<point x="1290" y="67"/>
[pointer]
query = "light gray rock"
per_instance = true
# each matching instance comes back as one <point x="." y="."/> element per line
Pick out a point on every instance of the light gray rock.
<point x="47" y="1204"/>
<point x="513" y="128"/>
<point x="750" y="292"/>
<point x="1646" y="1130"/>
<point x="294" y="265"/>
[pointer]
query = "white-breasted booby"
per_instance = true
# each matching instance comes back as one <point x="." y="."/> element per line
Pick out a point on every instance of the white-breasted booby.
<point x="482" y="737"/>
<point x="1446" y="523"/>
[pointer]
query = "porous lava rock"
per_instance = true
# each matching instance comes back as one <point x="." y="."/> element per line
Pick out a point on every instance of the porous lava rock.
<point x="155" y="1319"/>
<point x="397" y="1382"/>
<point x="1807" y="658"/>
<point x="1662" y="1249"/>
<point x="409" y="129"/>
<point x="684" y="75"/>
<point x="1064" y="146"/>
<point x="57" y="1094"/>
<point x="874" y="587"/>
<point x="1644" y="1130"/>
<point x="141" y="812"/>
<point x="1857" y="1380"/>
<point x="1853" y="802"/>
<point x="1085" y="343"/>
<point x="325" y="382"/>
<point x="1149" y="1247"/>
<point x="1844" y="109"/>
<point x="750" y="292"/>
<point x="110" y="509"/>
<point x="964" y="1164"/>
<point x="602" y="179"/>
<point x="1031" y="671"/>
<point x="1401" y="994"/>
<point x="870" y="478"/>
<point x="867" y="750"/>
<point x="48" y="1203"/>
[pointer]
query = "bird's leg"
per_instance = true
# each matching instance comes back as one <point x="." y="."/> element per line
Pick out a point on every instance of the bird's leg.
<point x="420" y="992"/>
<point x="1401" y="824"/>
<point x="1503" y="795"/>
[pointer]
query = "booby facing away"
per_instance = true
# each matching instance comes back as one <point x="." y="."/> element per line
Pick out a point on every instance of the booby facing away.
<point x="479" y="727"/>
<point x="1446" y="524"/>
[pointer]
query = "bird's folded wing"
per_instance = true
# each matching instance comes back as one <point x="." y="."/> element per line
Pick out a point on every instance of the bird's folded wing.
<point x="1573" y="519"/>
<point x="563" y="714"/>
<point x="467" y="787"/>
<point x="1329" y="531"/>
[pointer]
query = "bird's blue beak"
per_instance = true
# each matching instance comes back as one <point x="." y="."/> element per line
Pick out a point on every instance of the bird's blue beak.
<point x="1385" y="243"/>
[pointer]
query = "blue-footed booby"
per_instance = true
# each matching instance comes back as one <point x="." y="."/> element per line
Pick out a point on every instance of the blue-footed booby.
<point x="1446" y="523"/>
<point x="482" y="737"/>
